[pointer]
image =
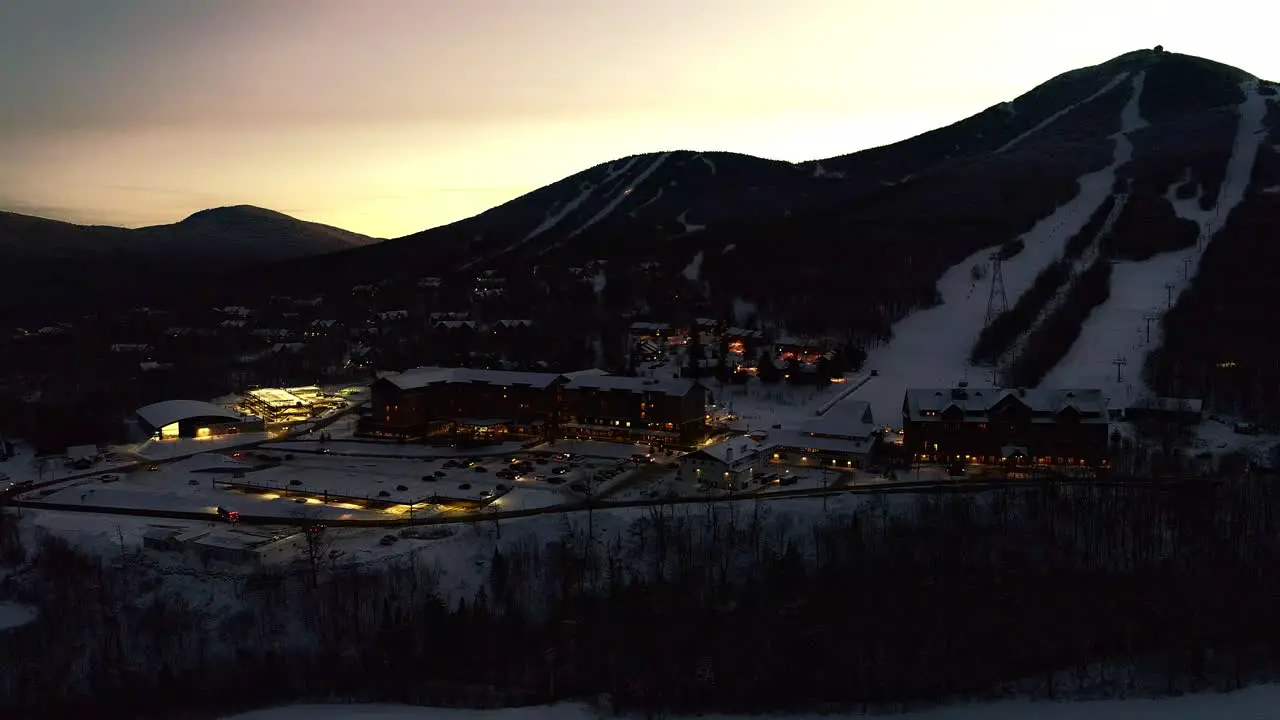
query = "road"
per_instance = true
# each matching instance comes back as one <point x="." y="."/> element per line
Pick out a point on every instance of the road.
<point x="886" y="488"/>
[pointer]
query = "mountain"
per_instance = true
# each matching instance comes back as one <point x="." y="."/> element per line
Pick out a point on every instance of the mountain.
<point x="1102" y="190"/>
<point x="227" y="234"/>
<point x="1131" y="205"/>
<point x="47" y="261"/>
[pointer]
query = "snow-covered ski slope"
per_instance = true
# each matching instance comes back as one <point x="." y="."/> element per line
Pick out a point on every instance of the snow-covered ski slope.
<point x="1140" y="290"/>
<point x="930" y="348"/>
<point x="1130" y="121"/>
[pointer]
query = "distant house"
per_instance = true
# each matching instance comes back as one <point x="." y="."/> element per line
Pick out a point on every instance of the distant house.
<point x="730" y="464"/>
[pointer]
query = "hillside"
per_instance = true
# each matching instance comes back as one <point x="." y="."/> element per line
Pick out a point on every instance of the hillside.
<point x="1103" y="188"/>
<point x="47" y="261"/>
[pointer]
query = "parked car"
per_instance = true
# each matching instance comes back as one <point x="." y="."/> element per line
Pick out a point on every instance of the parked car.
<point x="464" y="486"/>
<point x="480" y="469"/>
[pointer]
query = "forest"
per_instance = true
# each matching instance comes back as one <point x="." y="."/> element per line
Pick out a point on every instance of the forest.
<point x="884" y="602"/>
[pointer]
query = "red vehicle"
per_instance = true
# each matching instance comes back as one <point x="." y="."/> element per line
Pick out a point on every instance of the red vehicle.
<point x="228" y="514"/>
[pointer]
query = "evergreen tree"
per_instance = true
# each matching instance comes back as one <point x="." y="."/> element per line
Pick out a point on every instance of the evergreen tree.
<point x="693" y="355"/>
<point x="766" y="370"/>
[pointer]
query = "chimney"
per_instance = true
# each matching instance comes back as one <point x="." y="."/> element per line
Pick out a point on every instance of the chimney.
<point x="728" y="454"/>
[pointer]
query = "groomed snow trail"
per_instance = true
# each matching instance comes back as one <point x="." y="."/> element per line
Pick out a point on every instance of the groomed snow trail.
<point x="1130" y="121"/>
<point x="930" y="347"/>
<point x="1141" y="292"/>
<point x="1055" y="117"/>
<point x="623" y="195"/>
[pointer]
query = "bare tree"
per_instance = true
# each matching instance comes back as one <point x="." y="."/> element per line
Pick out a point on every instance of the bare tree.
<point x="315" y="543"/>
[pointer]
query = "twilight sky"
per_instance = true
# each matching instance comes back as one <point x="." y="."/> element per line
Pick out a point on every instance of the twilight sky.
<point x="390" y="116"/>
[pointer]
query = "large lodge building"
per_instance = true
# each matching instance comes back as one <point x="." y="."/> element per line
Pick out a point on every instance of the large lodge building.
<point x="991" y="425"/>
<point x="490" y="403"/>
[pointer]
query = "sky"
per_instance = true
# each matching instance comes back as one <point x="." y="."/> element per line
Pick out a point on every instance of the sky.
<point x="387" y="117"/>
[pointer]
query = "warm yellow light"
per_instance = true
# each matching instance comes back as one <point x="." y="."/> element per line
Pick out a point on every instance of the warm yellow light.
<point x="269" y="496"/>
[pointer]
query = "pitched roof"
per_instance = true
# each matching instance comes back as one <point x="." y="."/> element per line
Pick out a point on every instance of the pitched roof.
<point x="976" y="403"/>
<point x="666" y="386"/>
<point x="424" y="376"/>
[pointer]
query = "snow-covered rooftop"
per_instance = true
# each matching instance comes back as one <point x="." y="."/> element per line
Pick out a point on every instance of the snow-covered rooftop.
<point x="168" y="412"/>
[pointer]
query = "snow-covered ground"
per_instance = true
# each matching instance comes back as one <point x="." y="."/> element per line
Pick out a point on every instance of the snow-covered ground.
<point x="391" y="449"/>
<point x="759" y="406"/>
<point x="594" y="448"/>
<point x="170" y="488"/>
<point x="1118" y="328"/>
<point x="14" y="615"/>
<point x="1260" y="702"/>
<point x="930" y="348"/>
<point x="177" y="447"/>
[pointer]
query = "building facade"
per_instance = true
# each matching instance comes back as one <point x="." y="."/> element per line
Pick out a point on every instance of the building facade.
<point x="993" y="425"/>
<point x="610" y="407"/>
<point x="427" y="401"/>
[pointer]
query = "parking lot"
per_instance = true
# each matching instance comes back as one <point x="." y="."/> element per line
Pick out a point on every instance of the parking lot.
<point x="463" y="481"/>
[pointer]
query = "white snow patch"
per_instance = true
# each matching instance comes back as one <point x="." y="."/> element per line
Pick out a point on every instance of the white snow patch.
<point x="821" y="172"/>
<point x="1054" y="117"/>
<point x="729" y="248"/>
<point x="598" y="283"/>
<point x="694" y="268"/>
<point x="14" y="615"/>
<point x="930" y="348"/>
<point x="710" y="165"/>
<point x="743" y="311"/>
<point x="1118" y="328"/>
<point x="617" y="200"/>
<point x="1273" y="190"/>
<point x="689" y="228"/>
<point x="647" y="203"/>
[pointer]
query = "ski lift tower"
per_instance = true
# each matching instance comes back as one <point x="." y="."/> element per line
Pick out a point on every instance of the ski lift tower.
<point x="997" y="299"/>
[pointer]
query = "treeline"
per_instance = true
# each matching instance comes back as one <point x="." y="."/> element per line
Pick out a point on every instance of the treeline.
<point x="996" y="338"/>
<point x="1075" y="247"/>
<point x="1053" y="338"/>
<point x="886" y="602"/>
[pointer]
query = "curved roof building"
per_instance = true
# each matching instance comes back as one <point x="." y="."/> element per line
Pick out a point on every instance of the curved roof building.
<point x="187" y="415"/>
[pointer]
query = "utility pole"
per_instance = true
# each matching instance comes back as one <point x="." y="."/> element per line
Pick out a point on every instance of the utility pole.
<point x="1150" y="318"/>
<point x="1120" y="362"/>
<point x="1186" y="268"/>
<point x="1168" y="295"/>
